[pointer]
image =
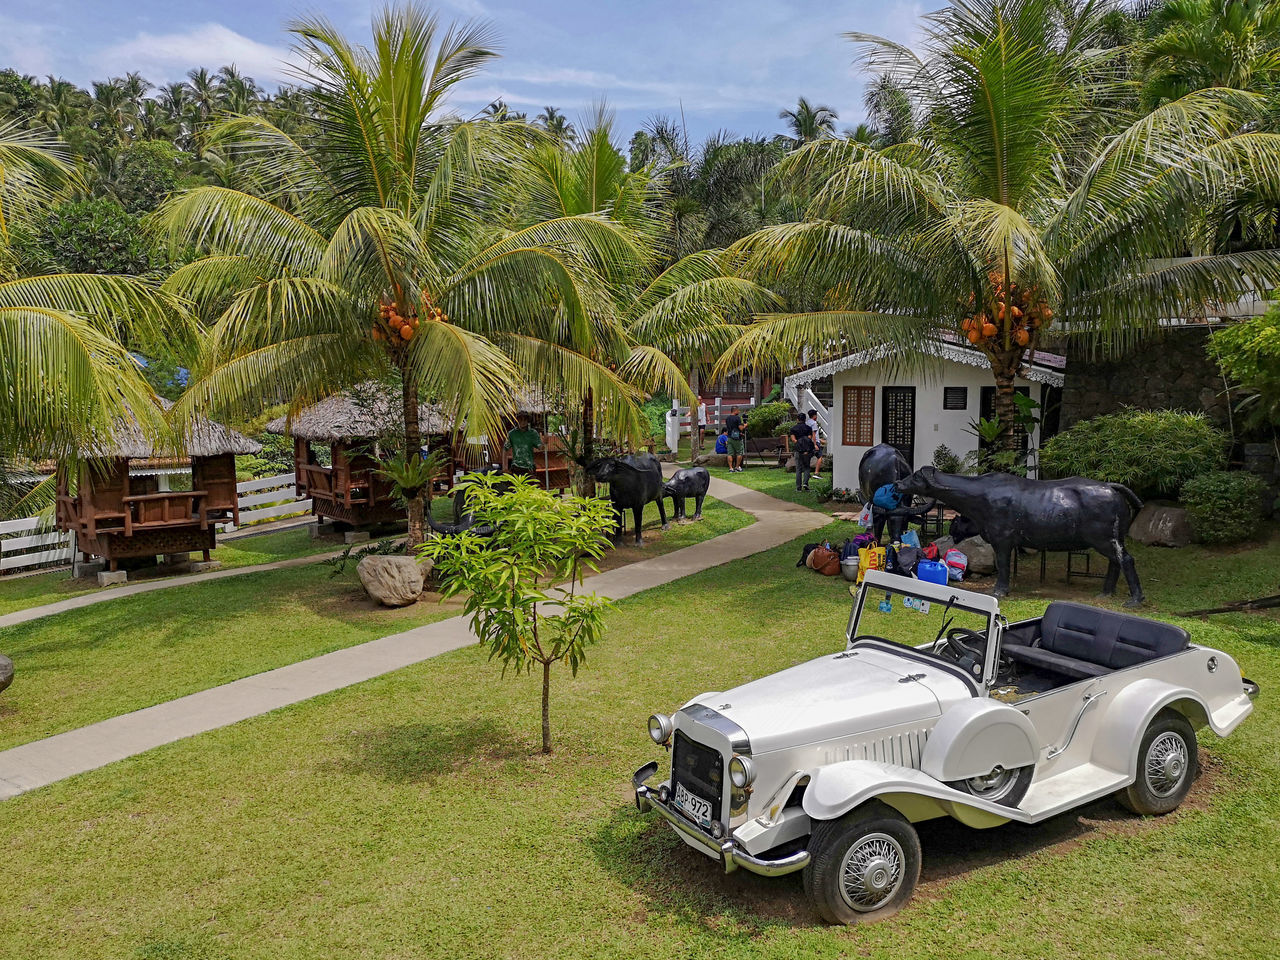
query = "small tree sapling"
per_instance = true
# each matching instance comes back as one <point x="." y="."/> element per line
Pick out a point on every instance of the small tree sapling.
<point x="521" y="583"/>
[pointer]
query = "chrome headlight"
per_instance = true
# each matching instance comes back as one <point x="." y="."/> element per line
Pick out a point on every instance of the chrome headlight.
<point x="742" y="772"/>
<point x="660" y="728"/>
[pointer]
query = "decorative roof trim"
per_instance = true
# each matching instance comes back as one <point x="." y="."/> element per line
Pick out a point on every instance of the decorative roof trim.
<point x="1035" y="372"/>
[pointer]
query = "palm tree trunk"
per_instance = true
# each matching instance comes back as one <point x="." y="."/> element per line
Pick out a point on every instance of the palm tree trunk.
<point x="412" y="447"/>
<point x="546" y="706"/>
<point x="588" y="441"/>
<point x="1004" y="367"/>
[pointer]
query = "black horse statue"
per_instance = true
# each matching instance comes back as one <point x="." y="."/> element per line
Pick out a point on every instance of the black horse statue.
<point x="880" y="465"/>
<point x="1012" y="512"/>
<point x="633" y="480"/>
<point x="687" y="483"/>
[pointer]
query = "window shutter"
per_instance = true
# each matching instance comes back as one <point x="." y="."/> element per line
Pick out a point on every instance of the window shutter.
<point x="858" y="426"/>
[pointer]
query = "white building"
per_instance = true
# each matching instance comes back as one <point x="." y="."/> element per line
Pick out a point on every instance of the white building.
<point x="873" y="403"/>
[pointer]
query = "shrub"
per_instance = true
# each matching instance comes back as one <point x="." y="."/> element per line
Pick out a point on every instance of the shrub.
<point x="1224" y="506"/>
<point x="947" y="460"/>
<point x="1153" y="452"/>
<point x="821" y="486"/>
<point x="766" y="419"/>
<point x="1248" y="353"/>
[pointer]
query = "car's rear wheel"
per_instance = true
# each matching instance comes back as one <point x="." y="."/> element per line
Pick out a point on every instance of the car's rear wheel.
<point x="1167" y="764"/>
<point x="1005" y="787"/>
<point x="864" y="866"/>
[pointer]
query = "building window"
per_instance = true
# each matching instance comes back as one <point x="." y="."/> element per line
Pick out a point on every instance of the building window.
<point x="859" y="416"/>
<point x="955" y="398"/>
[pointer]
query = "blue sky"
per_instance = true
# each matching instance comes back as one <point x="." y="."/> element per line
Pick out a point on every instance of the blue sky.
<point x="732" y="65"/>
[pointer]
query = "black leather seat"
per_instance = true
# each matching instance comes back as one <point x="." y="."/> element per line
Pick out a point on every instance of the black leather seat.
<point x="1082" y="641"/>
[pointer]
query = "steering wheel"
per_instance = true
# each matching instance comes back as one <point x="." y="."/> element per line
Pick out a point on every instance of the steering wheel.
<point x="969" y="648"/>
<point x="962" y="643"/>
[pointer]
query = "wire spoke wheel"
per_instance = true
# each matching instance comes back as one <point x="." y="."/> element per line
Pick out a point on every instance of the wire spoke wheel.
<point x="872" y="872"/>
<point x="1167" y="764"/>
<point x="993" y="786"/>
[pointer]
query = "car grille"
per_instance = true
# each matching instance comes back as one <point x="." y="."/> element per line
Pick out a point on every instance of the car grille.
<point x="699" y="769"/>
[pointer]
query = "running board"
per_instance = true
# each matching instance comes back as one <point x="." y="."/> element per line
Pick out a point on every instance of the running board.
<point x="1069" y="789"/>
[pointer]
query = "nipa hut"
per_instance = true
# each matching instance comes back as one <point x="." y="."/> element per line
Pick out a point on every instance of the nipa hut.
<point x="353" y="424"/>
<point x="120" y="510"/>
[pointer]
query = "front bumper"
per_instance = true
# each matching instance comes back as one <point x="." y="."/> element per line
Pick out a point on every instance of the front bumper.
<point x="727" y="849"/>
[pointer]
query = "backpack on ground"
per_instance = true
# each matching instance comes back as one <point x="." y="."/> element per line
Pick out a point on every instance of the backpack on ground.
<point x="807" y="549"/>
<point x="887" y="497"/>
<point x="957" y="564"/>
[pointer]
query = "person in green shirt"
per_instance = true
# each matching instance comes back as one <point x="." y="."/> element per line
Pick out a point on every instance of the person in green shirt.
<point x="522" y="441"/>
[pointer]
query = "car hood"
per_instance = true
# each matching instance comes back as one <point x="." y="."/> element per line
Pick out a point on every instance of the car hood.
<point x="844" y="695"/>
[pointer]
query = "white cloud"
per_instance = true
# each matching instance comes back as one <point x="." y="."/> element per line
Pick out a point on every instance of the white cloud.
<point x="168" y="56"/>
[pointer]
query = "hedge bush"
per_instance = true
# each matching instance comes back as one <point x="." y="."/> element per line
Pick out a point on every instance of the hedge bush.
<point x="766" y="419"/>
<point x="1153" y="452"/>
<point x="1224" y="506"/>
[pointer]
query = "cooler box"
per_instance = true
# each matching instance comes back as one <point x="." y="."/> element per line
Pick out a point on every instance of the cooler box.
<point x="932" y="571"/>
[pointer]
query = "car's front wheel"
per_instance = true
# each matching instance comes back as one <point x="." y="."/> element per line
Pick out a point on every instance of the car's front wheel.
<point x="863" y="866"/>
<point x="1167" y="762"/>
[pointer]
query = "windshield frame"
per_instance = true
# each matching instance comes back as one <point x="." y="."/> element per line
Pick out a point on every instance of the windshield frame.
<point x="877" y="581"/>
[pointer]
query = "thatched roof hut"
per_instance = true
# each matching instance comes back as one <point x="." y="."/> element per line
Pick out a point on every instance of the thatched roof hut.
<point x="369" y="410"/>
<point x="202" y="438"/>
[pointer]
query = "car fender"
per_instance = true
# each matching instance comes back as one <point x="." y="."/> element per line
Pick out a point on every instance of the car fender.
<point x="973" y="737"/>
<point x="1130" y="713"/>
<point x="837" y="788"/>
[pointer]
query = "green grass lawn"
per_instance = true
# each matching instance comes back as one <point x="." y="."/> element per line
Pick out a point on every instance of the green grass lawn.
<point x="410" y="816"/>
<point x="777" y="482"/>
<point x="20" y="593"/>
<point x="96" y="662"/>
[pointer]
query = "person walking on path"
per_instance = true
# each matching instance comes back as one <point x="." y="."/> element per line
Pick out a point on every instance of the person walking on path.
<point x="812" y="420"/>
<point x="699" y="425"/>
<point x="737" y="443"/>
<point x="522" y="441"/>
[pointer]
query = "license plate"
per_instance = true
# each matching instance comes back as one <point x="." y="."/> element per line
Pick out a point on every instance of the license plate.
<point x="698" y="810"/>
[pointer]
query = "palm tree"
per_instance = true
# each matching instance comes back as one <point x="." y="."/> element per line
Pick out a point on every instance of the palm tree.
<point x="889" y="111"/>
<point x="808" y="122"/>
<point x="1210" y="43"/>
<point x="661" y="321"/>
<point x="373" y="249"/>
<point x="1014" y="210"/>
<point x="556" y="124"/>
<point x="65" y="372"/>
<point x="498" y="110"/>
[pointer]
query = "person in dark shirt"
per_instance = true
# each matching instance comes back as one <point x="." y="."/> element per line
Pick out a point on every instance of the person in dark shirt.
<point x="737" y="444"/>
<point x="803" y="447"/>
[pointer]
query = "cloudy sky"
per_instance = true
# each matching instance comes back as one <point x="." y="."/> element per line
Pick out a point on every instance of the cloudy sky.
<point x="728" y="65"/>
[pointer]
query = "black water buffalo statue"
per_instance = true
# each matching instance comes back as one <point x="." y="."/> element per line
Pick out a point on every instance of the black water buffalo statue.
<point x="633" y="480"/>
<point x="1012" y="512"/>
<point x="687" y="483"/>
<point x="463" y="520"/>
<point x="880" y="465"/>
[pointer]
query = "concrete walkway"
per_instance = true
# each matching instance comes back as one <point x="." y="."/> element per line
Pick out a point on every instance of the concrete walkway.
<point x="46" y="761"/>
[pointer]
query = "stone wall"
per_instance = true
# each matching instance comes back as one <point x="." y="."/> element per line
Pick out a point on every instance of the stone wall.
<point x="1169" y="372"/>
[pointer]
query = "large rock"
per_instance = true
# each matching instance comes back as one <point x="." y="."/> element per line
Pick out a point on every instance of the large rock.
<point x="1161" y="526"/>
<point x="393" y="581"/>
<point x="6" y="672"/>
<point x="982" y="558"/>
<point x="711" y="460"/>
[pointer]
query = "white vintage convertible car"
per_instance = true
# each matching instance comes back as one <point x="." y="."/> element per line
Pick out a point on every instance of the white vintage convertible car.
<point x="825" y="766"/>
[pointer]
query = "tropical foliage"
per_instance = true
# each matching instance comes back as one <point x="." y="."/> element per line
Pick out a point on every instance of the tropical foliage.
<point x="1025" y="202"/>
<point x="1151" y="451"/>
<point x="521" y="582"/>
<point x="370" y="247"/>
<point x="1249" y="355"/>
<point x="65" y="370"/>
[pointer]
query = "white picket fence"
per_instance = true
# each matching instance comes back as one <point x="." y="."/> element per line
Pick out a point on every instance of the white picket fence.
<point x="266" y="499"/>
<point x="32" y="541"/>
